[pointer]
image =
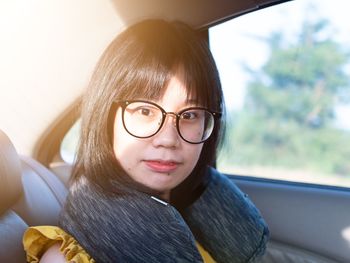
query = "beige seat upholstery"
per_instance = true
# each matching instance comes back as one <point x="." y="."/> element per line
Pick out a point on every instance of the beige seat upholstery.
<point x="29" y="195"/>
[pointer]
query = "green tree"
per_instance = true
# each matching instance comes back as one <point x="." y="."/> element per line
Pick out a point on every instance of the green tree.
<point x="289" y="112"/>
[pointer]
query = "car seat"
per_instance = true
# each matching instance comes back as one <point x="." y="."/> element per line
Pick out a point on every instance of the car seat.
<point x="30" y="195"/>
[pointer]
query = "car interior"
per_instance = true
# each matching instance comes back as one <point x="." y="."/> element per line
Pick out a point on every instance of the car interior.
<point x="30" y="195"/>
<point x="308" y="223"/>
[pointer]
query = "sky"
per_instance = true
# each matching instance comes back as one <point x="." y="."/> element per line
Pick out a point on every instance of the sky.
<point x="239" y="41"/>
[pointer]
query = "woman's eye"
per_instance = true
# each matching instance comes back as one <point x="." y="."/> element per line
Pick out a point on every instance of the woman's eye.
<point x="145" y="111"/>
<point x="189" y="115"/>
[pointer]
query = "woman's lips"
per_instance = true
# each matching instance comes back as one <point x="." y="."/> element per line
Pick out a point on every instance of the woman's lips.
<point x="161" y="166"/>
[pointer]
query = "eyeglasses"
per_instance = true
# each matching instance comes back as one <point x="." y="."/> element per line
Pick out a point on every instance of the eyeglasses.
<point x="143" y="119"/>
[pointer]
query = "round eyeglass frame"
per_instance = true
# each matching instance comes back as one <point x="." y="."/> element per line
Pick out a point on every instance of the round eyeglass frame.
<point x="124" y="103"/>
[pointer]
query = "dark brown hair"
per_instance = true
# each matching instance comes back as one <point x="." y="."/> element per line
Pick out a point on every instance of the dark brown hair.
<point x="138" y="64"/>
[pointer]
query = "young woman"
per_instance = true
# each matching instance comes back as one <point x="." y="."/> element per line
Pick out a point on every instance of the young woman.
<point x="142" y="186"/>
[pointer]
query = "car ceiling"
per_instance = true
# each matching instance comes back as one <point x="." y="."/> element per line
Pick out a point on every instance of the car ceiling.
<point x="198" y="13"/>
<point x="49" y="49"/>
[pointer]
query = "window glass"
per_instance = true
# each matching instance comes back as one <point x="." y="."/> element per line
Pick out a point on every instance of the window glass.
<point x="285" y="72"/>
<point x="70" y="143"/>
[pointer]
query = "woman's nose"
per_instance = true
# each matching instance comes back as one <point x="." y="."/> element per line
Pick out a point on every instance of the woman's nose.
<point x="168" y="135"/>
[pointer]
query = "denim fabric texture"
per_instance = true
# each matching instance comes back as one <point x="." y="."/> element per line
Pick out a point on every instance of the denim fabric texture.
<point x="138" y="228"/>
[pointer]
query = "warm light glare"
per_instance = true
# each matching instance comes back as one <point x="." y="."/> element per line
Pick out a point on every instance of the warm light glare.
<point x="48" y="50"/>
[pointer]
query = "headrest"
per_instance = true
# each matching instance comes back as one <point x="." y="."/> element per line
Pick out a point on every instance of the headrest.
<point x="10" y="174"/>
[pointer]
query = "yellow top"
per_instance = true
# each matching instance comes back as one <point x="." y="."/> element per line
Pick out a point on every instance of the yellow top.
<point x="37" y="240"/>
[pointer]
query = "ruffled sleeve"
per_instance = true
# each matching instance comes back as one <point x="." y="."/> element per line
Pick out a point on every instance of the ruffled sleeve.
<point x="37" y="240"/>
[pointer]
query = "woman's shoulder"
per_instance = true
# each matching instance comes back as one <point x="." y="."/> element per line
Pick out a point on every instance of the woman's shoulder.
<point x="242" y="233"/>
<point x="52" y="244"/>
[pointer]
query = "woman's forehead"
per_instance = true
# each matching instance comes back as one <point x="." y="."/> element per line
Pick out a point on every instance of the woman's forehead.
<point x="152" y="84"/>
<point x="174" y="92"/>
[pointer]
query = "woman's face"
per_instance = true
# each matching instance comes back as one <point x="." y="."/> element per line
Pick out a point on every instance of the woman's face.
<point x="164" y="160"/>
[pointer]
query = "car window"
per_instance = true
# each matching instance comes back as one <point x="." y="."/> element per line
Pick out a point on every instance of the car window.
<point x="69" y="143"/>
<point x="285" y="72"/>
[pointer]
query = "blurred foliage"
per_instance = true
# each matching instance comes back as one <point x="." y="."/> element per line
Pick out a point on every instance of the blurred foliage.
<point x="289" y="112"/>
